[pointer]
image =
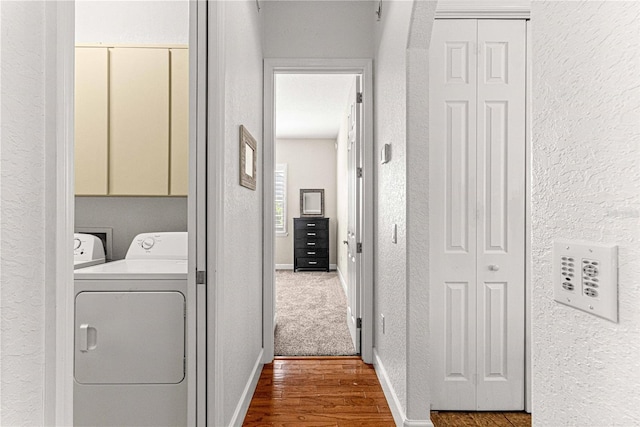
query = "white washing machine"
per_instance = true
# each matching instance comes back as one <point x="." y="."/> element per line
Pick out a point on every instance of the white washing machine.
<point x="87" y="250"/>
<point x="130" y="327"/>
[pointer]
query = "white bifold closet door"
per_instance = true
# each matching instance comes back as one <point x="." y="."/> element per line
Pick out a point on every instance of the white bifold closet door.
<point x="477" y="206"/>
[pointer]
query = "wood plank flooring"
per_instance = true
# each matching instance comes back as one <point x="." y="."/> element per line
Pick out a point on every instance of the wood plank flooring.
<point x="475" y="419"/>
<point x="342" y="391"/>
<point x="314" y="392"/>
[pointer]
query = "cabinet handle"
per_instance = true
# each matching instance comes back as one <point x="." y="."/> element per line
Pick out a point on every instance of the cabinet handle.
<point x="313" y="262"/>
<point x="311" y="244"/>
<point x="310" y="253"/>
<point x="311" y="225"/>
<point x="311" y="234"/>
<point x="494" y="267"/>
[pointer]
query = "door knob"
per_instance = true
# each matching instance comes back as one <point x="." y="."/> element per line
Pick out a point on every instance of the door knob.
<point x="494" y="267"/>
<point x="345" y="242"/>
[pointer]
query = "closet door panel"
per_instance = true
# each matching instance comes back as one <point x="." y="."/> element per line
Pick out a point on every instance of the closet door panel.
<point x="452" y="201"/>
<point x="501" y="203"/>
<point x="139" y="125"/>
<point x="91" y="120"/>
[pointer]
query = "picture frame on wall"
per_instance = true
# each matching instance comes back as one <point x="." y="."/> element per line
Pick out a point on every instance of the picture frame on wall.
<point x="248" y="159"/>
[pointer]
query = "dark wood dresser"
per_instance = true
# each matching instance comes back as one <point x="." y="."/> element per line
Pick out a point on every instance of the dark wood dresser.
<point x="311" y="244"/>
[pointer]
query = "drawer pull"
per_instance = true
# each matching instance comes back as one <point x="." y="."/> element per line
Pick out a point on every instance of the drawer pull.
<point x="311" y="253"/>
<point x="311" y="244"/>
<point x="311" y="224"/>
<point x="311" y="234"/>
<point x="313" y="262"/>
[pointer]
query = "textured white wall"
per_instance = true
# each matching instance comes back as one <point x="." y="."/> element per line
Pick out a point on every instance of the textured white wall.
<point x="22" y="213"/>
<point x="144" y="22"/>
<point x="311" y="163"/>
<point x="586" y="185"/>
<point x="390" y="128"/>
<point x="242" y="240"/>
<point x="318" y="29"/>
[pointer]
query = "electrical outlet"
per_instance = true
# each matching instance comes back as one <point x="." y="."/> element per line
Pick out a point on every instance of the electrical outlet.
<point x="382" y="323"/>
<point x="585" y="276"/>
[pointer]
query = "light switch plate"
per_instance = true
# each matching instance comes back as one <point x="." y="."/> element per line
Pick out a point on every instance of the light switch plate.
<point x="585" y="276"/>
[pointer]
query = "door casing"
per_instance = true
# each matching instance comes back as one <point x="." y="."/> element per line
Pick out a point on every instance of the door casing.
<point x="273" y="66"/>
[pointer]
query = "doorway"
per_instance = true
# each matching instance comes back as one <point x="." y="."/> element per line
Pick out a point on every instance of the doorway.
<point x="315" y="134"/>
<point x="113" y="193"/>
<point x="358" y="309"/>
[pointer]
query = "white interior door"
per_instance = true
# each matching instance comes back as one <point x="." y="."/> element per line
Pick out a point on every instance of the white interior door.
<point x="477" y="189"/>
<point x="354" y="192"/>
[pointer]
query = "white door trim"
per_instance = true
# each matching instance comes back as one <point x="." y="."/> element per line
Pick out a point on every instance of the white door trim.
<point x="60" y="389"/>
<point x="273" y="66"/>
<point x="483" y="9"/>
<point x="215" y="136"/>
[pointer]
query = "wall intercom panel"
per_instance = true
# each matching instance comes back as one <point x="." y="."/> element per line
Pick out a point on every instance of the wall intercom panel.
<point x="585" y="276"/>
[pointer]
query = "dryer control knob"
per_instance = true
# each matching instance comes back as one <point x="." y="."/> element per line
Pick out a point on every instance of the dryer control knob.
<point x="76" y="243"/>
<point x="148" y="243"/>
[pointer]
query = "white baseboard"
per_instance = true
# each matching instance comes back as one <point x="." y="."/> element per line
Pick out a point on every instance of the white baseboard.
<point x="397" y="410"/>
<point x="290" y="266"/>
<point x="247" y="394"/>
<point x="343" y="282"/>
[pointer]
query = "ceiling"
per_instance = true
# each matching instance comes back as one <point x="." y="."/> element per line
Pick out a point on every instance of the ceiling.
<point x="311" y="106"/>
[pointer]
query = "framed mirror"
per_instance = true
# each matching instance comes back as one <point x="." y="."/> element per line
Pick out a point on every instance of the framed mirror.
<point x="312" y="202"/>
<point x="248" y="159"/>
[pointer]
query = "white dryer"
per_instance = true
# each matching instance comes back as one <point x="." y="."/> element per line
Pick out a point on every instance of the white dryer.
<point x="87" y="250"/>
<point x="130" y="329"/>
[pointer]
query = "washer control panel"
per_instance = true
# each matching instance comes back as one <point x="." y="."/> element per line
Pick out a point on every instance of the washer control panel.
<point x="169" y="245"/>
<point x="585" y="276"/>
<point x="87" y="247"/>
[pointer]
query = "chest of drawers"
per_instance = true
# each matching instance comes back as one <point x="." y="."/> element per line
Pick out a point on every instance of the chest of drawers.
<point x="311" y="244"/>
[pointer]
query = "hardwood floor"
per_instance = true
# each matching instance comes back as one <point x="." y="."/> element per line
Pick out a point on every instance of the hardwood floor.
<point x="342" y="391"/>
<point x="474" y="419"/>
<point x="314" y="392"/>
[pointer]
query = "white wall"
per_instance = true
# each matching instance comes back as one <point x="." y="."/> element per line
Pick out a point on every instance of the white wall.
<point x="401" y="276"/>
<point x="142" y="22"/>
<point x="311" y="163"/>
<point x="241" y="292"/>
<point x="23" y="177"/>
<point x="318" y="29"/>
<point x="586" y="185"/>
<point x="390" y="128"/>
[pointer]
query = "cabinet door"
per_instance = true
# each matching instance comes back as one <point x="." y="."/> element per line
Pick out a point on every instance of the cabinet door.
<point x="139" y="121"/>
<point x="179" y="184"/>
<point x="91" y="120"/>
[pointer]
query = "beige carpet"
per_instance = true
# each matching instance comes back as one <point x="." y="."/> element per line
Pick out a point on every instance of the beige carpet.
<point x="311" y="311"/>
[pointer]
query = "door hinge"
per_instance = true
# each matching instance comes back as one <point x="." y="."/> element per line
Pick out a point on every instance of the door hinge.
<point x="359" y="98"/>
<point x="359" y="248"/>
<point x="359" y="172"/>
<point x="201" y="277"/>
<point x="359" y="322"/>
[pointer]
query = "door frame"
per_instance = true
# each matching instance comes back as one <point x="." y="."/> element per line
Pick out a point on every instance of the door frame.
<point x="59" y="350"/>
<point x="273" y="66"/>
